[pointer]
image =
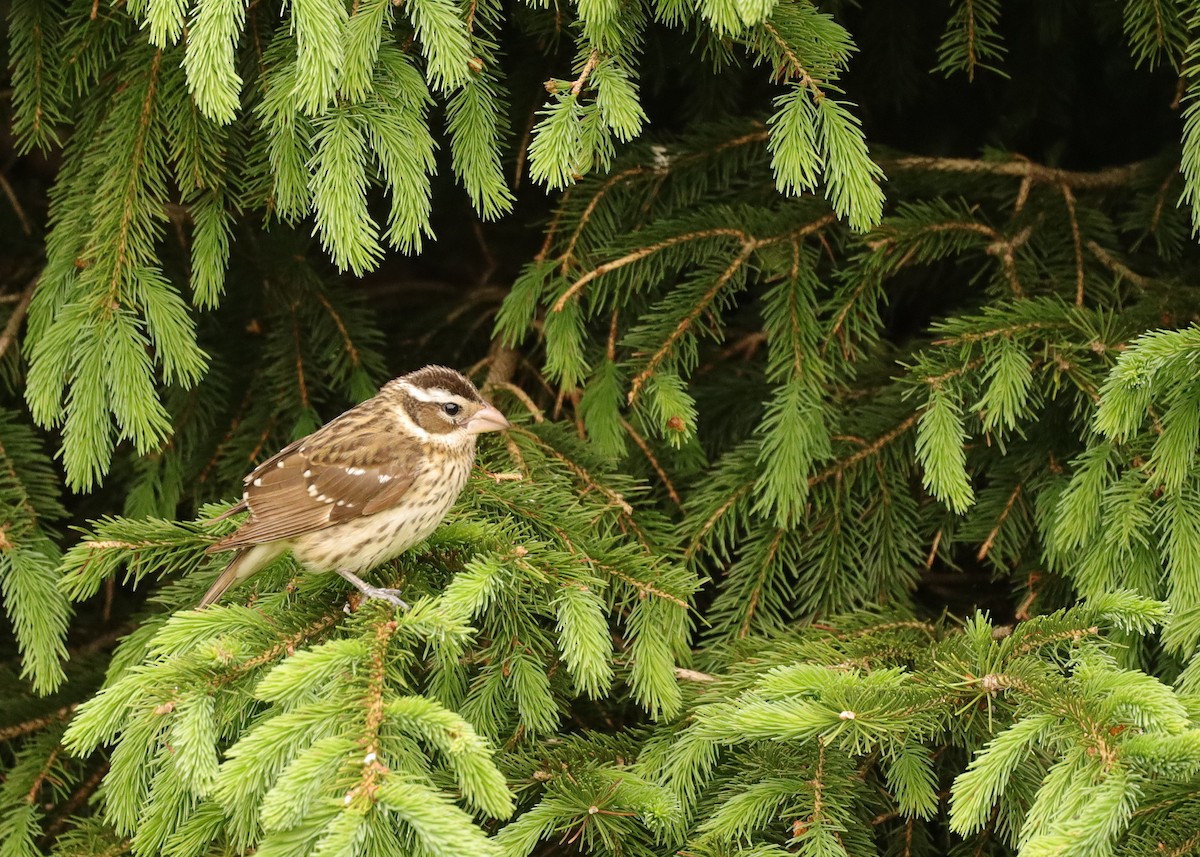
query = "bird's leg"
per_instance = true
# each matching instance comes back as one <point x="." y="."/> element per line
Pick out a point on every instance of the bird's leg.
<point x="390" y="595"/>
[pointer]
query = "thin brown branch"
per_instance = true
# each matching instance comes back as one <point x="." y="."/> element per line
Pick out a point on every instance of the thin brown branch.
<point x="523" y="151"/>
<point x="347" y="343"/>
<point x="284" y="647"/>
<point x="300" y="380"/>
<point x="711" y="521"/>
<point x="1110" y="177"/>
<point x="936" y="381"/>
<point x="524" y="398"/>
<point x="1117" y="266"/>
<point x="26" y="727"/>
<point x="688" y="320"/>
<point x="1186" y="846"/>
<point x="503" y="360"/>
<point x="879" y="443"/>
<point x="658" y="468"/>
<point x="137" y="156"/>
<point x="834" y="469"/>
<point x="65" y="812"/>
<point x="608" y="185"/>
<point x="552" y="230"/>
<point x="844" y="313"/>
<point x="933" y="549"/>
<point x="752" y="605"/>
<point x="641" y="586"/>
<point x="376" y="686"/>
<point x="684" y="674"/>
<point x="13" y="326"/>
<point x="47" y="769"/>
<point x="580" y="471"/>
<point x="7" y="187"/>
<point x="798" y="70"/>
<point x="1076" y="241"/>
<point x="990" y="541"/>
<point x="592" y="61"/>
<point x="1007" y="330"/>
<point x="749" y="246"/>
<point x="642" y="253"/>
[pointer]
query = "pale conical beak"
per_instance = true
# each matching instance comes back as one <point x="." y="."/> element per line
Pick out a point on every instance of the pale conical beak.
<point x="487" y="419"/>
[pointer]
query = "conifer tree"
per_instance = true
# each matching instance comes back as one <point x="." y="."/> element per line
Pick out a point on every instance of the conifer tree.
<point x="852" y="503"/>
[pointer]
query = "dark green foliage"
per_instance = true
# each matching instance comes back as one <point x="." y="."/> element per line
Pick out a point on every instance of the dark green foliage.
<point x="852" y="504"/>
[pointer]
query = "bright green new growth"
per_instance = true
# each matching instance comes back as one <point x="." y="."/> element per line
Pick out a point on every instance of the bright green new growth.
<point x="340" y="107"/>
<point x="770" y="409"/>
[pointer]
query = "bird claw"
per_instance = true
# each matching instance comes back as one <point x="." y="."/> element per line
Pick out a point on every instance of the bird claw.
<point x="392" y="596"/>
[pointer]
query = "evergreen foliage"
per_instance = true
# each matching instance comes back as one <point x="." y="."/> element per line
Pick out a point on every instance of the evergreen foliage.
<point x="852" y="503"/>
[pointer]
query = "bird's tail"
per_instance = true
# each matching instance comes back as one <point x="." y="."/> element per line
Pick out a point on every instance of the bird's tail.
<point x="244" y="563"/>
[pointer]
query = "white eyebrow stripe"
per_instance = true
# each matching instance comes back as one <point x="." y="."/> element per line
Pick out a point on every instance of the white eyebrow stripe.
<point x="435" y="394"/>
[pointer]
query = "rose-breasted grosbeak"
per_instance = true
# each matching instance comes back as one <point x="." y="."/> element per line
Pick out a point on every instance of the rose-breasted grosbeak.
<point x="365" y="486"/>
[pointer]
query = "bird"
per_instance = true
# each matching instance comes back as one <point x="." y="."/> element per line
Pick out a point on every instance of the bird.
<point x="366" y="486"/>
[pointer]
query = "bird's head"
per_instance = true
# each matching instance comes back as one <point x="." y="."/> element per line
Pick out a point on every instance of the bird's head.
<point x="445" y="405"/>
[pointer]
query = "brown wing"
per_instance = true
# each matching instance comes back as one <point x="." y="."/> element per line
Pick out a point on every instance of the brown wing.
<point x="324" y="479"/>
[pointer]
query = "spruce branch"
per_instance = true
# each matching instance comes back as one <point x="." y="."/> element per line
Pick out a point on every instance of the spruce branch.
<point x="17" y="730"/>
<point x="1022" y="168"/>
<point x="572" y="293"/>
<point x="1069" y="199"/>
<point x="750" y="245"/>
<point x="654" y="462"/>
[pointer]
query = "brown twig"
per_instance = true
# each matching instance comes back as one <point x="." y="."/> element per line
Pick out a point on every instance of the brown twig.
<point x="503" y="364"/>
<point x="1116" y="266"/>
<point x="688" y="320"/>
<point x="749" y="246"/>
<point x="684" y="674"/>
<point x="1109" y="177"/>
<point x="284" y="647"/>
<point x="579" y="470"/>
<point x="26" y="226"/>
<point x="128" y="215"/>
<point x="986" y="547"/>
<point x="592" y="61"/>
<point x="752" y="605"/>
<point x="867" y="451"/>
<point x="347" y="343"/>
<point x="11" y="327"/>
<point x="1076" y="241"/>
<point x="7" y="733"/>
<point x="31" y="796"/>
<point x="524" y="399"/>
<point x="376" y="685"/>
<point x="642" y="253"/>
<point x="65" y="812"/>
<point x="642" y="586"/>
<point x="658" y="468"/>
<point x="608" y="185"/>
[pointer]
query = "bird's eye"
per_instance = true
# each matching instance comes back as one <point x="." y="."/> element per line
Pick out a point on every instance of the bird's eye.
<point x="451" y="409"/>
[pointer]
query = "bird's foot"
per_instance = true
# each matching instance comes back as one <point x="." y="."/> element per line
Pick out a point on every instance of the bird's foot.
<point x="390" y="595"/>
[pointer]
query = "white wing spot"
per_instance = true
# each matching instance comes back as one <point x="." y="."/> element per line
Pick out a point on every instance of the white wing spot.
<point x="258" y="482"/>
<point x="355" y="471"/>
<point x="279" y="464"/>
<point x="307" y="473"/>
<point x="341" y="502"/>
<point x="385" y="478"/>
<point x="312" y="490"/>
